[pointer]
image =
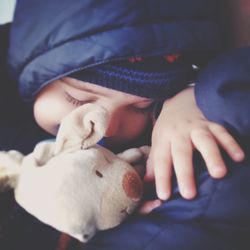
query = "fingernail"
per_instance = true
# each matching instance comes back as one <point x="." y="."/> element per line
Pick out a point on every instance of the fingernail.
<point x="218" y="171"/>
<point x="163" y="195"/>
<point x="239" y="156"/>
<point x="188" y="194"/>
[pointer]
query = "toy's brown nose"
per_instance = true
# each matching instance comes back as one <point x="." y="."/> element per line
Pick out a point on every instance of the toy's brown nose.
<point x="132" y="185"/>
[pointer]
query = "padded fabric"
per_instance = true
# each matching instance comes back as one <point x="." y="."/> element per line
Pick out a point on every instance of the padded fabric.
<point x="66" y="36"/>
<point x="218" y="218"/>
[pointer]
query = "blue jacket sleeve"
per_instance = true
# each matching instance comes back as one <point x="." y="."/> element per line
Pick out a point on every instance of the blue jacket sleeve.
<point x="222" y="91"/>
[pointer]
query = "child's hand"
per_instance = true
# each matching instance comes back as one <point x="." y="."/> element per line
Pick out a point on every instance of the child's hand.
<point x="181" y="128"/>
<point x="148" y="206"/>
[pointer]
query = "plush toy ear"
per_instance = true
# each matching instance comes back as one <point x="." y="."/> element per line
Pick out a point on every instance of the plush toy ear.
<point x="10" y="163"/>
<point x="82" y="128"/>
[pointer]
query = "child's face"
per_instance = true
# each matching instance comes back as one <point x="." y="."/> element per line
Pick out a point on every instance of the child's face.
<point x="130" y="114"/>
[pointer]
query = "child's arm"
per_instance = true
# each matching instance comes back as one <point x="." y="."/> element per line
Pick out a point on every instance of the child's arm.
<point x="226" y="80"/>
<point x="222" y="93"/>
<point x="181" y="128"/>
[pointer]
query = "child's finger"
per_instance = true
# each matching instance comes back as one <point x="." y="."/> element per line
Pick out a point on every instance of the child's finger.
<point x="207" y="146"/>
<point x="162" y="162"/>
<point x="227" y="142"/>
<point x="148" y="206"/>
<point x="182" y="152"/>
<point x="149" y="175"/>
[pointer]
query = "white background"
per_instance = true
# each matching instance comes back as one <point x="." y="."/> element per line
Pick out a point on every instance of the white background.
<point x="6" y="10"/>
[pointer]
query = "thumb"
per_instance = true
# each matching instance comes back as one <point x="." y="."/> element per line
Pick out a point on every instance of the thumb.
<point x="148" y="206"/>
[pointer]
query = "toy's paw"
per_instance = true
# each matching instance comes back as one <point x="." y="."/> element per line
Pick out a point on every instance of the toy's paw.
<point x="16" y="156"/>
<point x="10" y="162"/>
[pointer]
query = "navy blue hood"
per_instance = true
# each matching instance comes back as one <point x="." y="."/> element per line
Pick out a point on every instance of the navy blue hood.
<point x="50" y="39"/>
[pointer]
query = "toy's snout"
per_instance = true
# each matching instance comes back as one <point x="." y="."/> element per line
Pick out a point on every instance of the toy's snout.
<point x="132" y="185"/>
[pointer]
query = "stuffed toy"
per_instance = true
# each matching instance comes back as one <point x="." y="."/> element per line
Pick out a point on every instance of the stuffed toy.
<point x="73" y="184"/>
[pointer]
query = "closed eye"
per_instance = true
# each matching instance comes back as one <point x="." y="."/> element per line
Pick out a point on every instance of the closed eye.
<point x="74" y="101"/>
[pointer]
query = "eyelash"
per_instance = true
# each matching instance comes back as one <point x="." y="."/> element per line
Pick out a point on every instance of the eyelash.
<point x="73" y="100"/>
<point x="78" y="103"/>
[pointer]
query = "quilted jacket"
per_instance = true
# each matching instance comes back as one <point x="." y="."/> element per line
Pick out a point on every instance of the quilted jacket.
<point x="51" y="39"/>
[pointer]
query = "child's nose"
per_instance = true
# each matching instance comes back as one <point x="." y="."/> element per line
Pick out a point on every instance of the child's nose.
<point x="112" y="129"/>
<point x="114" y="123"/>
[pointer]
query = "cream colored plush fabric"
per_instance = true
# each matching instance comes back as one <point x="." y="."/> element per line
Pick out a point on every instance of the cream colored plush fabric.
<point x="73" y="184"/>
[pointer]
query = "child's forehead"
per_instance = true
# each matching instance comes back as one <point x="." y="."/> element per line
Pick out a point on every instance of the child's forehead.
<point x="99" y="90"/>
